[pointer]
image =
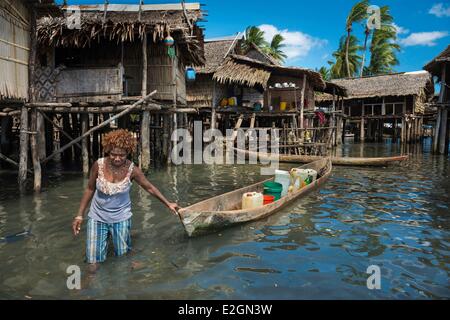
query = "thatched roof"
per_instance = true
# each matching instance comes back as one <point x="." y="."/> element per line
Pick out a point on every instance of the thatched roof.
<point x="215" y="54"/>
<point x="327" y="93"/>
<point x="127" y="22"/>
<point x="398" y="84"/>
<point x="249" y="72"/>
<point x="257" y="54"/>
<point x="435" y="66"/>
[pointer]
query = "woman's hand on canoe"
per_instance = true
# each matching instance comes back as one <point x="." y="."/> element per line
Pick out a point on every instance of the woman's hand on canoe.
<point x="174" y="208"/>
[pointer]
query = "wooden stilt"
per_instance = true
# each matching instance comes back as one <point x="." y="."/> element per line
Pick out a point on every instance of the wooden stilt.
<point x="437" y="129"/>
<point x="84" y="143"/>
<point x="145" y="140"/>
<point x="41" y="137"/>
<point x="23" y="155"/>
<point x="403" y="131"/>
<point x="67" y="155"/>
<point x="59" y="129"/>
<point x="101" y="125"/>
<point x="35" y="151"/>
<point x="95" y="144"/>
<point x="443" y="131"/>
<point x="361" y="135"/>
<point x="76" y="132"/>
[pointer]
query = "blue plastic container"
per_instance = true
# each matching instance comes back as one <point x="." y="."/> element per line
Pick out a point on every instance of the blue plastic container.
<point x="190" y="74"/>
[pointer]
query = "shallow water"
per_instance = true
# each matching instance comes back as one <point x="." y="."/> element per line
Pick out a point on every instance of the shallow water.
<point x="317" y="248"/>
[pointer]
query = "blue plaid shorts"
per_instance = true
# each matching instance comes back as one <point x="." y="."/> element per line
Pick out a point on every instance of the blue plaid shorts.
<point x="97" y="239"/>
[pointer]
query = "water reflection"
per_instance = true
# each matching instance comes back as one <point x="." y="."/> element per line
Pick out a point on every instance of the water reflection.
<point x="318" y="247"/>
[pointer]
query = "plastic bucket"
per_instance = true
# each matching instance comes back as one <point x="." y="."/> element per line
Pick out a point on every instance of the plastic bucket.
<point x="268" y="199"/>
<point x="273" y="189"/>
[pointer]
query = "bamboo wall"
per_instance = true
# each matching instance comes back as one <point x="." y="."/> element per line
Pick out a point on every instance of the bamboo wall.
<point x="288" y="95"/>
<point x="14" y="50"/>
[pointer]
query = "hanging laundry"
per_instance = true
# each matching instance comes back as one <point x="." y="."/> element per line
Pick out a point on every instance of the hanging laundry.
<point x="321" y="116"/>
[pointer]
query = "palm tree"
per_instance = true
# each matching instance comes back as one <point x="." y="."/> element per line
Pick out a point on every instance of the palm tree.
<point x="274" y="50"/>
<point x="383" y="51"/>
<point x="325" y="73"/>
<point x="340" y="68"/>
<point x="357" y="14"/>
<point x="386" y="23"/>
<point x="256" y="36"/>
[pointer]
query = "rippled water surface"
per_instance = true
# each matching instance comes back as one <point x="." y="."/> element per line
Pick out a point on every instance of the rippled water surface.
<point x="319" y="247"/>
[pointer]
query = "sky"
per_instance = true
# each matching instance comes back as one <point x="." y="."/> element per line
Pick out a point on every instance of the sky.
<point x="312" y="29"/>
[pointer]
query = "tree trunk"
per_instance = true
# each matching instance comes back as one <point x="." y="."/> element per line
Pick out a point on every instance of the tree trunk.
<point x="364" y="53"/>
<point x="347" y="44"/>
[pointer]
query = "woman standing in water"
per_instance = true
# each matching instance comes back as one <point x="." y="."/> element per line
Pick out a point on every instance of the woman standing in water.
<point x="109" y="189"/>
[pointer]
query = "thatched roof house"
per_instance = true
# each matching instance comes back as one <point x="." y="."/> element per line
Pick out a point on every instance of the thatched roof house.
<point x="101" y="59"/>
<point x="250" y="72"/>
<point x="435" y="66"/>
<point x="410" y="88"/>
<point x="124" y="22"/>
<point x="15" y="21"/>
<point x="249" y="76"/>
<point x="216" y="51"/>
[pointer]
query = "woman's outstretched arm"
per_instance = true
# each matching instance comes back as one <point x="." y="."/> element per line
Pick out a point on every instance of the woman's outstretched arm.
<point x="87" y="197"/>
<point x="140" y="178"/>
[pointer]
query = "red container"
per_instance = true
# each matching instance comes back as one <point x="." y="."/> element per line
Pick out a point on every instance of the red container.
<point x="269" y="199"/>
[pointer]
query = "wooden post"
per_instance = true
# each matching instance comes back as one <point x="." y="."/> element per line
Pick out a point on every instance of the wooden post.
<point x="443" y="130"/>
<point x="213" y="107"/>
<point x="145" y="116"/>
<point x="34" y="150"/>
<point x="402" y="132"/>
<point x="95" y="144"/>
<point x="76" y="131"/>
<point x="362" y="138"/>
<point x="101" y="125"/>
<point x="67" y="155"/>
<point x="84" y="143"/>
<point x="302" y="104"/>
<point x="437" y="129"/>
<point x="444" y="113"/>
<point x="41" y="138"/>
<point x="394" y="130"/>
<point x="145" y="141"/>
<point x="165" y="140"/>
<point x="23" y="155"/>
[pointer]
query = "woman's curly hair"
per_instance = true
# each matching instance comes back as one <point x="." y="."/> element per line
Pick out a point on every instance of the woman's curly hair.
<point x="119" y="139"/>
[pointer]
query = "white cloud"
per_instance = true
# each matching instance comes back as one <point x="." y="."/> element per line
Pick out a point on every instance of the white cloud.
<point x="297" y="44"/>
<point x="400" y="30"/>
<point x="439" y="10"/>
<point x="423" y="38"/>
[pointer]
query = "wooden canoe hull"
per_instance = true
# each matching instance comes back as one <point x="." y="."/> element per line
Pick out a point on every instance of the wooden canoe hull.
<point x="222" y="211"/>
<point x="338" y="161"/>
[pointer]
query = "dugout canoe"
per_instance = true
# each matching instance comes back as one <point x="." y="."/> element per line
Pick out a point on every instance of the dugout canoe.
<point x="224" y="210"/>
<point x="337" y="161"/>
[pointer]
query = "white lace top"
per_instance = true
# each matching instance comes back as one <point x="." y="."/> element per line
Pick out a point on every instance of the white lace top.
<point x="111" y="188"/>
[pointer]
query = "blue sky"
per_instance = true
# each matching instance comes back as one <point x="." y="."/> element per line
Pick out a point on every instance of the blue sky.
<point x="313" y="28"/>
